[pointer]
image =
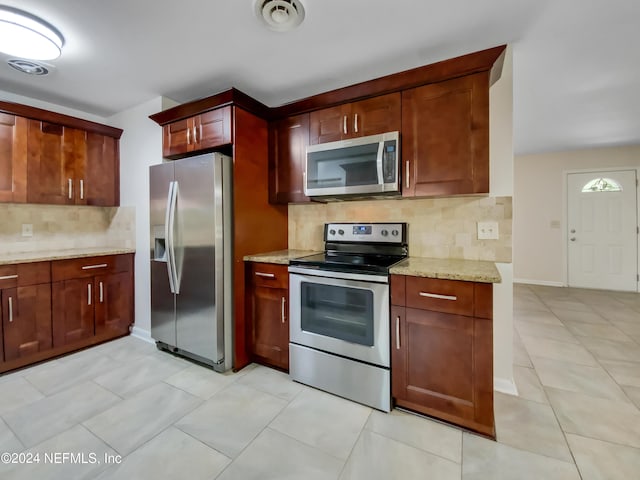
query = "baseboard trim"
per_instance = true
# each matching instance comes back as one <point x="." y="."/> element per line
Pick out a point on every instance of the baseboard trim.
<point x="142" y="334"/>
<point x="504" y="385"/>
<point x="543" y="283"/>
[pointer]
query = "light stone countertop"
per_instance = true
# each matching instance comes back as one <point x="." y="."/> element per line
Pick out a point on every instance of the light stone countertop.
<point x="448" y="269"/>
<point x="47" y="255"/>
<point x="280" y="257"/>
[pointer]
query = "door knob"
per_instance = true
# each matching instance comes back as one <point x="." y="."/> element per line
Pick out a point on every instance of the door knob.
<point x="573" y="239"/>
<point x="573" y="230"/>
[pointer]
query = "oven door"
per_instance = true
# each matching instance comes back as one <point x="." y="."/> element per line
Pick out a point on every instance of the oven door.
<point x="347" y="316"/>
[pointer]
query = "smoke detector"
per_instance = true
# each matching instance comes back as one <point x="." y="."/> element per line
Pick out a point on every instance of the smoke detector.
<point x="28" y="67"/>
<point x="280" y="15"/>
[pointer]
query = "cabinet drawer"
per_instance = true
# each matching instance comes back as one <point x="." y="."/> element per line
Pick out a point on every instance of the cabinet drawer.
<point x="269" y="275"/>
<point x="90" y="266"/>
<point x="447" y="296"/>
<point x="24" y="274"/>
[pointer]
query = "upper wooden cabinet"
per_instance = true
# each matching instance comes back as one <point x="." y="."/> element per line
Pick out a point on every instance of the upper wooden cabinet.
<point x="13" y="158"/>
<point x="46" y="157"/>
<point x="201" y="132"/>
<point x="445" y="137"/>
<point x="288" y="141"/>
<point x="367" y="117"/>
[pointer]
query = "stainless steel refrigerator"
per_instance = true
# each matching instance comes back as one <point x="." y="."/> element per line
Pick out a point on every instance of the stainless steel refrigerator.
<point x="191" y="258"/>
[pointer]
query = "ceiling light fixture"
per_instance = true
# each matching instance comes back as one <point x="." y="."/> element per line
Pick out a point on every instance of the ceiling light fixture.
<point x="26" y="36"/>
<point x="280" y="15"/>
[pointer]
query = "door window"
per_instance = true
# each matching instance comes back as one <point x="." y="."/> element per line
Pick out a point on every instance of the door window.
<point x="340" y="312"/>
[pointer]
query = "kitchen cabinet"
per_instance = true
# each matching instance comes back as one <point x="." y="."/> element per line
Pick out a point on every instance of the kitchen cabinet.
<point x="288" y="141"/>
<point x="445" y="137"/>
<point x="91" y="297"/>
<point x="268" y="297"/>
<point x="13" y="158"/>
<point x="442" y="350"/>
<point x="198" y="133"/>
<point x="25" y="294"/>
<point x="356" y="119"/>
<point x="101" y="184"/>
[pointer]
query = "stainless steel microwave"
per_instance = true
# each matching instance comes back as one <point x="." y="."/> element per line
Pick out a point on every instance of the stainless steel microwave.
<point x="360" y="166"/>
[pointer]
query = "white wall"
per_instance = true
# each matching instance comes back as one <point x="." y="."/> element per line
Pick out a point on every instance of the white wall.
<point x="140" y="147"/>
<point x="12" y="97"/>
<point x="538" y="204"/>
<point x="501" y="184"/>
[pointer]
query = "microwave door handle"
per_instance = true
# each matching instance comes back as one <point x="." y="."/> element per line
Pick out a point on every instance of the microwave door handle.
<point x="379" y="164"/>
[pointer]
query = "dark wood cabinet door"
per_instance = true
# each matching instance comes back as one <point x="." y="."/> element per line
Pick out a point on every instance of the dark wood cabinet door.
<point x="177" y="138"/>
<point x="101" y="183"/>
<point x="55" y="155"/>
<point x="26" y="315"/>
<point x="375" y="115"/>
<point x="73" y="309"/>
<point x="113" y="303"/>
<point x="213" y="129"/>
<point x="288" y="141"/>
<point x="13" y="158"/>
<point x="445" y="137"/>
<point x="329" y="124"/>
<point x="270" y="326"/>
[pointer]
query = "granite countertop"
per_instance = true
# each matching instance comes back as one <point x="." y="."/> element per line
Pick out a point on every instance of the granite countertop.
<point x="46" y="255"/>
<point x="448" y="269"/>
<point x="281" y="257"/>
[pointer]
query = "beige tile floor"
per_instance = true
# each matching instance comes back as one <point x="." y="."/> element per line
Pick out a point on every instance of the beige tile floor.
<point x="576" y="365"/>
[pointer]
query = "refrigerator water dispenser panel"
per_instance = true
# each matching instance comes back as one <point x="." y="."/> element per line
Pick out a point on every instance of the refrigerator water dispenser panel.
<point x="159" y="244"/>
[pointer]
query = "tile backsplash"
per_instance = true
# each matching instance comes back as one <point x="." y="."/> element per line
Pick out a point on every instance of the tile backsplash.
<point x="59" y="227"/>
<point x="438" y="227"/>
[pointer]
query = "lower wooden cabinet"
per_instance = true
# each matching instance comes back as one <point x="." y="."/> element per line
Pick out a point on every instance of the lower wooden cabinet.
<point x="268" y="307"/>
<point x="25" y="293"/>
<point x="442" y="350"/>
<point x="52" y="308"/>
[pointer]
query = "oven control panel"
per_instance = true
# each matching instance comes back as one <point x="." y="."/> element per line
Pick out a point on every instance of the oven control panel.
<point x="366" y="232"/>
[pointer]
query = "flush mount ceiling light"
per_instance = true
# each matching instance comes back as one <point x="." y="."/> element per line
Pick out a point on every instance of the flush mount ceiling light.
<point x="26" y="36"/>
<point x="280" y="15"/>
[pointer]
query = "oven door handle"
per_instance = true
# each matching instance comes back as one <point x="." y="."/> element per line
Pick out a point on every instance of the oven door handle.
<point x="362" y="277"/>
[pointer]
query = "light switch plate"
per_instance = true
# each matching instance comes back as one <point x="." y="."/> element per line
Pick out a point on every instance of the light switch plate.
<point x="27" y="230"/>
<point x="487" y="230"/>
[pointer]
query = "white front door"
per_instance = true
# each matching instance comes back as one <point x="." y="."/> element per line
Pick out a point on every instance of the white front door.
<point x="602" y="232"/>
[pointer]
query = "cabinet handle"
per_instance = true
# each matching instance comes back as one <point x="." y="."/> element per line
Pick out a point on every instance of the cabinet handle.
<point x="406" y="183"/>
<point x="200" y="132"/>
<point x="355" y="123"/>
<point x="438" y="296"/>
<point x="398" y="332"/>
<point x="10" y="309"/>
<point x="282" y="308"/>
<point x="8" y="277"/>
<point x="70" y="189"/>
<point x="344" y="124"/>
<point x="81" y="189"/>
<point x="195" y="136"/>
<point x="91" y="267"/>
<point x="188" y="136"/>
<point x="101" y="293"/>
<point x="88" y="294"/>
<point x="267" y="275"/>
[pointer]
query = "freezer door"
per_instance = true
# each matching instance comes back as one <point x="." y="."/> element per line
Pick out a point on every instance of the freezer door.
<point x="199" y="302"/>
<point x="163" y="327"/>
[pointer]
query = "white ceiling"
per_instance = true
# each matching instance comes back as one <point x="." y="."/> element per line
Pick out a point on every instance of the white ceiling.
<point x="576" y="62"/>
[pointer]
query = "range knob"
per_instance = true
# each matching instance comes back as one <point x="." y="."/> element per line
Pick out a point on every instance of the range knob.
<point x="340" y="232"/>
<point x="394" y="233"/>
<point x="384" y="233"/>
<point x="332" y="231"/>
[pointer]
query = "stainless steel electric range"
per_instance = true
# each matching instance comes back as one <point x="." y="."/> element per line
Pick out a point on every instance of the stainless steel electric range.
<point x="339" y="312"/>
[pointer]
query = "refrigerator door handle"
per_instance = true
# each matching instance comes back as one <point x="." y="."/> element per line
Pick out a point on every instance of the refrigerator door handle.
<point x="172" y="244"/>
<point x="168" y="234"/>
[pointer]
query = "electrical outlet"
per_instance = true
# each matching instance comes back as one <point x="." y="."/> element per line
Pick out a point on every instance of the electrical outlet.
<point x="487" y="230"/>
<point x="27" y="230"/>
